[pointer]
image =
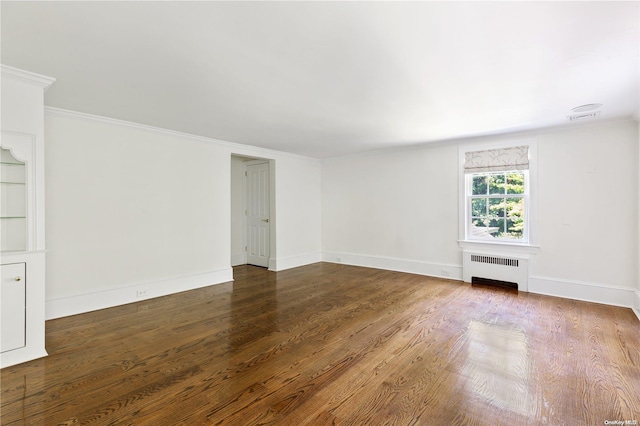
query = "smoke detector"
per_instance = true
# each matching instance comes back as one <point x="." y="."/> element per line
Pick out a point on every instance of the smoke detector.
<point x="585" y="108"/>
<point x="585" y="116"/>
<point x="586" y="112"/>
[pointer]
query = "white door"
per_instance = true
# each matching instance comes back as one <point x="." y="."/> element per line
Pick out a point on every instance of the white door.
<point x="12" y="304"/>
<point x="258" y="220"/>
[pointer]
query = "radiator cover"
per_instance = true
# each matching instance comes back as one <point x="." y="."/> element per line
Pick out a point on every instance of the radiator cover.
<point x="496" y="266"/>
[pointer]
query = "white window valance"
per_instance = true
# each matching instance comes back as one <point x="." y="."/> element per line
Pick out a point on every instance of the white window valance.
<point x="491" y="160"/>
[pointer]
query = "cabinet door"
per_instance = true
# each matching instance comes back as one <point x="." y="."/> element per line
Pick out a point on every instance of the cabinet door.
<point x="12" y="306"/>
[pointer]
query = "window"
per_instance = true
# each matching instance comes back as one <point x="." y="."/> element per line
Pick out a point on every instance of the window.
<point x="496" y="195"/>
<point x="497" y="205"/>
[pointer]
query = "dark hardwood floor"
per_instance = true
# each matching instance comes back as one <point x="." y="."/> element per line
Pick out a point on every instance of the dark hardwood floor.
<point x="334" y="344"/>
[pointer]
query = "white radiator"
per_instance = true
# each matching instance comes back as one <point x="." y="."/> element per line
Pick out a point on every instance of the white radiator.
<point x="513" y="269"/>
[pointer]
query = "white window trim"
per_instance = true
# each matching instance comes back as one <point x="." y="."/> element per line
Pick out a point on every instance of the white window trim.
<point x="532" y="221"/>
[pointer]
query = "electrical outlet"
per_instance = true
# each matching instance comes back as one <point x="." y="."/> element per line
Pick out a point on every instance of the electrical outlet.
<point x="141" y="293"/>
<point x="444" y="272"/>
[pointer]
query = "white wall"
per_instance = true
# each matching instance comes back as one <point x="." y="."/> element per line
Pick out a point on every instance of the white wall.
<point x="399" y="210"/>
<point x="136" y="212"/>
<point x="298" y="212"/>
<point x="132" y="208"/>
<point x="588" y="204"/>
<point x="637" y="298"/>
<point x="394" y="206"/>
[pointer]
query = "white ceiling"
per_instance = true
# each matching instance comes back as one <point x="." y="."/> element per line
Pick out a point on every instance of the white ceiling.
<point x="331" y="78"/>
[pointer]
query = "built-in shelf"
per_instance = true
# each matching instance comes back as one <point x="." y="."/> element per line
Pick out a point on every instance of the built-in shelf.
<point x="13" y="203"/>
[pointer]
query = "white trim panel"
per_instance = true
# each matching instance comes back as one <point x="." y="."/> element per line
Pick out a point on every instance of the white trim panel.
<point x="588" y="292"/>
<point x="282" y="263"/>
<point x="636" y="309"/>
<point x="439" y="270"/>
<point x="87" y="302"/>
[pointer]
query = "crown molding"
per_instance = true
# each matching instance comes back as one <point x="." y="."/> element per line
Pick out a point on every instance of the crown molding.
<point x="28" y="77"/>
<point x="235" y="148"/>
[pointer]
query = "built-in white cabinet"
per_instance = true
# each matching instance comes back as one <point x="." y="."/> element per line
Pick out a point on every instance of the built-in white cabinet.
<point x="13" y="300"/>
<point x="22" y="247"/>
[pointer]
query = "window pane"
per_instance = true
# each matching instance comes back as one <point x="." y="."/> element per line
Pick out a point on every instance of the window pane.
<point x="496" y="227"/>
<point x="496" y="184"/>
<point x="515" y="216"/>
<point x="515" y="229"/>
<point x="478" y="206"/>
<point x="479" y="222"/>
<point x="479" y="228"/>
<point x="479" y="186"/>
<point x="515" y="183"/>
<point x="496" y="207"/>
<point x="515" y="207"/>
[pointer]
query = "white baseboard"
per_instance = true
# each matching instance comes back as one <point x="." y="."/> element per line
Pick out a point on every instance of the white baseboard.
<point x="18" y="356"/>
<point x="239" y="259"/>
<point x="569" y="289"/>
<point x="282" y="263"/>
<point x="87" y="302"/>
<point x="588" y="292"/>
<point x="439" y="270"/>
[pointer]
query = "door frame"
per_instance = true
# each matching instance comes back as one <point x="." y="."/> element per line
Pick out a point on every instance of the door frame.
<point x="245" y="195"/>
<point x="272" y="205"/>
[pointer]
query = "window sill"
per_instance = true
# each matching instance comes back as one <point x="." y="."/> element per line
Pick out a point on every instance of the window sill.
<point x="503" y="246"/>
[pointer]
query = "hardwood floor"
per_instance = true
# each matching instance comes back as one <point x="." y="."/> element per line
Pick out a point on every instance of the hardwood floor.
<point x="334" y="344"/>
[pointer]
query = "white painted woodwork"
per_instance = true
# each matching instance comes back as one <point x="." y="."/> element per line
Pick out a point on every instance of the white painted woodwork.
<point x="22" y="208"/>
<point x="12" y="306"/>
<point x="258" y="213"/>
<point x="238" y="218"/>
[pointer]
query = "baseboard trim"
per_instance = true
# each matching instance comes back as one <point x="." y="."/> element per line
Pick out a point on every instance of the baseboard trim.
<point x="557" y="287"/>
<point x="18" y="356"/>
<point x="108" y="298"/>
<point x="282" y="263"/>
<point x="238" y="259"/>
<point x="584" y="291"/>
<point x="439" y="270"/>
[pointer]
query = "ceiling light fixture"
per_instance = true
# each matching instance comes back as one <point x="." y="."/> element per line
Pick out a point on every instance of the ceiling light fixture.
<point x="585" y="108"/>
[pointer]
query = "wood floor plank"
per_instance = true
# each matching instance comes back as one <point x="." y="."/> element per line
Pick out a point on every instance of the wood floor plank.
<point x="330" y="344"/>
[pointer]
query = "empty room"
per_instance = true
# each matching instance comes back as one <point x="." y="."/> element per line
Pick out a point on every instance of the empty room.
<point x="309" y="213"/>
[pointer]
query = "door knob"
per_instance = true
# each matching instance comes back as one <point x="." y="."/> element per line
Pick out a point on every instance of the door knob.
<point x="265" y="220"/>
<point x="17" y="279"/>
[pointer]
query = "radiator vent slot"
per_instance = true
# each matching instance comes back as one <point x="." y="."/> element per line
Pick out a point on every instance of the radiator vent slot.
<point x="494" y="283"/>
<point x="495" y="260"/>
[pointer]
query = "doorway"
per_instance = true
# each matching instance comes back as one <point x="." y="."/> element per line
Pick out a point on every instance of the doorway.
<point x="252" y="239"/>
